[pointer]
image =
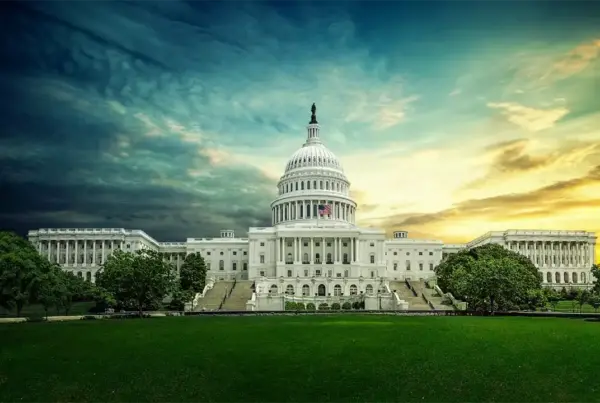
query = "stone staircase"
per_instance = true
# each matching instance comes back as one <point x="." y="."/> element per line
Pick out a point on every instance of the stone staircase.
<point x="214" y="296"/>
<point x="414" y="303"/>
<point x="242" y="292"/>
<point x="432" y="296"/>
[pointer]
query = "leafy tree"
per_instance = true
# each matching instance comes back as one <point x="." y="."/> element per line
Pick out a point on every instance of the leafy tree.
<point x="594" y="301"/>
<point x="49" y="287"/>
<point x="192" y="275"/>
<point x="490" y="278"/>
<point x="582" y="298"/>
<point x="71" y="288"/>
<point x="141" y="279"/>
<point x="553" y="297"/>
<point x="536" y="298"/>
<point x="596" y="274"/>
<point x="20" y="266"/>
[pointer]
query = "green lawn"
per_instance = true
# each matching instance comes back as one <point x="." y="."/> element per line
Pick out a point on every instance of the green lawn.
<point x="304" y="359"/>
<point x="567" y="306"/>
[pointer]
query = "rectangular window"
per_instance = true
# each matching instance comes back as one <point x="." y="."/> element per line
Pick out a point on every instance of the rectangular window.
<point x="262" y="273"/>
<point x="245" y="266"/>
<point x="345" y="244"/>
<point x="345" y="273"/>
<point x="318" y="273"/>
<point x="420" y="253"/>
<point x="245" y="253"/>
<point x="234" y="253"/>
<point x="430" y="253"/>
<point x="339" y="275"/>
<point x="395" y="266"/>
<point x="208" y="253"/>
<point x="208" y="266"/>
<point x="421" y="266"/>
<point x="328" y="244"/>
<point x="408" y="265"/>
<point x="305" y="273"/>
<point x="317" y="243"/>
<point x="262" y="244"/>
<point x="289" y="273"/>
<point x="431" y="266"/>
<point x="329" y="273"/>
<point x="289" y="244"/>
<point x="372" y="244"/>
<point x="372" y="259"/>
<point x="305" y="243"/>
<point x="234" y="266"/>
<point x="262" y="258"/>
<point x="372" y="274"/>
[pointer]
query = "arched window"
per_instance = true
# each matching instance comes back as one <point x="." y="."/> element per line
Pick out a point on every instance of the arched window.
<point x="301" y="185"/>
<point x="289" y="290"/>
<point x="296" y="185"/>
<point x="337" y="290"/>
<point x="305" y="290"/>
<point x="88" y="276"/>
<point x="314" y="184"/>
<point x="327" y="185"/>
<point x="548" y="277"/>
<point x="583" y="278"/>
<point x="574" y="276"/>
<point x="305" y="258"/>
<point x="329" y="258"/>
<point x="566" y="277"/>
<point x="289" y="258"/>
<point x="221" y="265"/>
<point x="273" y="289"/>
<point x="557" y="277"/>
<point x="346" y="258"/>
<point x="321" y="185"/>
<point x="353" y="290"/>
<point x="369" y="289"/>
<point x="321" y="290"/>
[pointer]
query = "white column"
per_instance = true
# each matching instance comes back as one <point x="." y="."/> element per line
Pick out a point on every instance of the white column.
<point x="67" y="252"/>
<point x="352" y="250"/>
<point x="48" y="245"/>
<point x="103" y="252"/>
<point x="57" y="251"/>
<point x="277" y="251"/>
<point x="335" y="250"/>
<point x="322" y="250"/>
<point x="295" y="245"/>
<point x="357" y="250"/>
<point x="312" y="248"/>
<point x="85" y="255"/>
<point x="76" y="252"/>
<point x="94" y="253"/>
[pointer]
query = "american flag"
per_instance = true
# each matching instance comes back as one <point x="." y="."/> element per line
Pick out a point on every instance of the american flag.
<point x="324" y="209"/>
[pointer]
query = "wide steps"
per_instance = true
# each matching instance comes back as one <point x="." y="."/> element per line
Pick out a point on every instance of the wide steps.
<point x="214" y="296"/>
<point x="240" y="295"/>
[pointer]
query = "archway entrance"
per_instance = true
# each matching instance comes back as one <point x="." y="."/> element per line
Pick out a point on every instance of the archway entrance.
<point x="321" y="290"/>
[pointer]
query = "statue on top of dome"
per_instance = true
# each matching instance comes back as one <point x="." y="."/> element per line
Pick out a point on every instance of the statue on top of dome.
<point x="313" y="118"/>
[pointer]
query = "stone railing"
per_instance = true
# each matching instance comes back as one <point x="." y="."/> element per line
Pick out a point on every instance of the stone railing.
<point x="457" y="304"/>
<point x="410" y="287"/>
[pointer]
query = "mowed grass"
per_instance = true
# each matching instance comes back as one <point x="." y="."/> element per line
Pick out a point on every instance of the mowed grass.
<point x="302" y="359"/>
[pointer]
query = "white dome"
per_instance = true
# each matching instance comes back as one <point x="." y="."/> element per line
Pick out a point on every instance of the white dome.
<point x="313" y="155"/>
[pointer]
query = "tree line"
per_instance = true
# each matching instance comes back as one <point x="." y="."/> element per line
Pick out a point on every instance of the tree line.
<point x="491" y="278"/>
<point x="140" y="280"/>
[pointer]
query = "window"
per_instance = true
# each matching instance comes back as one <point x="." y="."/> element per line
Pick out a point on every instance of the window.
<point x="208" y="253"/>
<point x="420" y="253"/>
<point x="262" y="258"/>
<point x="262" y="273"/>
<point x="88" y="276"/>
<point x="289" y="244"/>
<point x="372" y="244"/>
<point x="557" y="277"/>
<point x="221" y="253"/>
<point x="245" y="253"/>
<point x="372" y="274"/>
<point x="345" y="273"/>
<point x="329" y="273"/>
<point x="329" y="261"/>
<point x="408" y="265"/>
<point x="262" y="244"/>
<point x="407" y="253"/>
<point x="431" y="266"/>
<point x="289" y="273"/>
<point x="395" y="266"/>
<point x="208" y="266"/>
<point x="566" y="276"/>
<point x="338" y="275"/>
<point x="328" y="244"/>
<point x="234" y="266"/>
<point x="337" y="290"/>
<point x="345" y="244"/>
<point x="353" y="290"/>
<point x="317" y="243"/>
<point x="421" y="266"/>
<point x="372" y="259"/>
<point x="245" y="267"/>
<point x="548" y="277"/>
<point x="317" y="258"/>
<point x="305" y="258"/>
<point x="305" y="273"/>
<point x="369" y="289"/>
<point x="305" y="289"/>
<point x="395" y="253"/>
<point x="430" y="253"/>
<point x="221" y="265"/>
<point x="318" y="273"/>
<point x="234" y="253"/>
<point x="305" y="243"/>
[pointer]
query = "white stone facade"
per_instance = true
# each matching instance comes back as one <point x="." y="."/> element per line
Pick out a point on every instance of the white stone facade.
<point x="314" y="248"/>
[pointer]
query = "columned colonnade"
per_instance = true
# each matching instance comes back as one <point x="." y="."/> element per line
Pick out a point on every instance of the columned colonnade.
<point x="309" y="209"/>
<point x="554" y="253"/>
<point x="337" y="250"/>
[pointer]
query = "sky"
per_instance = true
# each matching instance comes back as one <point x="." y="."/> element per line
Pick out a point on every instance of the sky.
<point x="451" y="118"/>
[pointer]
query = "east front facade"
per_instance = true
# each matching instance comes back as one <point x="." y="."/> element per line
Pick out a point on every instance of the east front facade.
<point x="314" y="251"/>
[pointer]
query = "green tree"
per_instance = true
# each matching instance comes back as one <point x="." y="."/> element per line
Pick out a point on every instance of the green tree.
<point x="48" y="290"/>
<point x="490" y="278"/>
<point x="20" y="267"/>
<point x="536" y="298"/>
<point x="71" y="288"/>
<point x="553" y="297"/>
<point x="141" y="279"/>
<point x="596" y="274"/>
<point x="594" y="301"/>
<point x="582" y="298"/>
<point x="192" y="275"/>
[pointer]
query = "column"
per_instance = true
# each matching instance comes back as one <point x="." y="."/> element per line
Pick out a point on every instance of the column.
<point x="335" y="250"/>
<point x="312" y="251"/>
<point x="352" y="260"/>
<point x="277" y="252"/>
<point x="76" y="252"/>
<point x="48" y="246"/>
<point x="67" y="252"/>
<point x="322" y="250"/>
<point x="85" y="255"/>
<point x="357" y="250"/>
<point x="295" y="245"/>
<point x="94" y="253"/>
<point x="103" y="253"/>
<point x="535" y="255"/>
<point x="57" y="251"/>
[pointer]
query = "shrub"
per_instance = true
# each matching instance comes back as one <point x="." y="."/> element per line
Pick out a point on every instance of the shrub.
<point x="310" y="306"/>
<point x="335" y="306"/>
<point x="300" y="306"/>
<point x="323" y="307"/>
<point x="290" y="306"/>
<point x="346" y="306"/>
<point x="356" y="305"/>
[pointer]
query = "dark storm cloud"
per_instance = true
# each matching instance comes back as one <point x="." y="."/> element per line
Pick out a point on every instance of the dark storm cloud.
<point x="95" y="116"/>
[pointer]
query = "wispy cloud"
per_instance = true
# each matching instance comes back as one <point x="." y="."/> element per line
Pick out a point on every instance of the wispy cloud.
<point x="528" y="118"/>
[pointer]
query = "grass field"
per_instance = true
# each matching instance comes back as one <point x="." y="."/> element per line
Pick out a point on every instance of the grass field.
<point x="303" y="359"/>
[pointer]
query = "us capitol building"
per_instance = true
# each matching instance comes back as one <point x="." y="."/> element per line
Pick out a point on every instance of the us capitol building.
<point x="315" y="250"/>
